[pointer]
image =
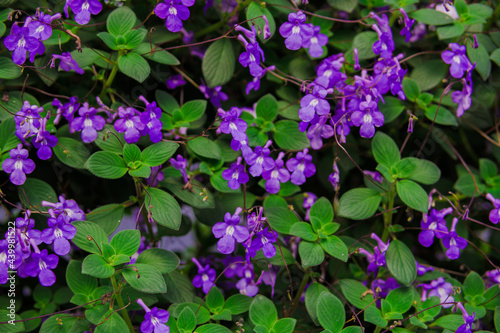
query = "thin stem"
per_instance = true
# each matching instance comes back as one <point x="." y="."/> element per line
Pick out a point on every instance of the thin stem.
<point x="388" y="213"/>
<point x="299" y="292"/>
<point x="111" y="77"/>
<point x="119" y="299"/>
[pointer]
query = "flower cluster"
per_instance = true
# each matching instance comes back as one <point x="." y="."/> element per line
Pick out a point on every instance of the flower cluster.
<point x="173" y="12"/>
<point x="377" y="258"/>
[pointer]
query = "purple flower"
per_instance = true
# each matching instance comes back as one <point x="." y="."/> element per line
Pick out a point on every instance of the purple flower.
<point x="296" y="31"/>
<point x="309" y="200"/>
<point x="421" y="269"/>
<point x="440" y="288"/>
<point x="41" y="265"/>
<point x="83" y="9"/>
<point x="59" y="232"/>
<point x="433" y="225"/>
<point x="495" y="212"/>
<point x="27" y="120"/>
<point x="247" y="284"/>
<point x="263" y="240"/>
<point x="130" y="123"/>
<point x="385" y="45"/>
<point x="215" y="95"/>
<point x="319" y="131"/>
<point x="301" y="166"/>
<point x="232" y="124"/>
<point x="151" y="119"/>
<point x="235" y="266"/>
<point x="251" y="58"/>
<point x="367" y="116"/>
<point x="67" y="63"/>
<point x="88" y="122"/>
<point x="382" y="288"/>
<point x="334" y="178"/>
<point x="329" y="74"/>
<point x="315" y="103"/>
<point x="67" y="208"/>
<point x="377" y="259"/>
<point x="155" y="177"/>
<point x="235" y="175"/>
<point x="418" y="32"/>
<point x="260" y="160"/>
<point x="67" y="110"/>
<point x="20" y="41"/>
<point x="175" y="81"/>
<point x="453" y="242"/>
<point x="242" y="145"/>
<point x="276" y="175"/>
<point x="41" y="28"/>
<point x="18" y="165"/>
<point x="154" y="319"/>
<point x="406" y="31"/>
<point x="229" y="232"/>
<point x="316" y="42"/>
<point x="44" y="141"/>
<point x="180" y="164"/>
<point x="492" y="277"/>
<point x="389" y="75"/>
<point x="205" y="278"/>
<point x="457" y="59"/>
<point x="467" y="327"/>
<point x="25" y="222"/>
<point x="376" y="176"/>
<point x="174" y="11"/>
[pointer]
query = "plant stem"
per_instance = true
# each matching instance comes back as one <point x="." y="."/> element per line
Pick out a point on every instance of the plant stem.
<point x="111" y="77"/>
<point x="388" y="214"/>
<point x="299" y="292"/>
<point x="378" y="329"/>
<point x="119" y="299"/>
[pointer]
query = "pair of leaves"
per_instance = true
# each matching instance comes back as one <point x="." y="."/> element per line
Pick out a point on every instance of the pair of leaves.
<point x="264" y="316"/>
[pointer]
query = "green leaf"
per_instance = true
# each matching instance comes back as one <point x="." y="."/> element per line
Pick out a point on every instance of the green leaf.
<point x="497" y="318"/>
<point x="112" y="142"/>
<point x="400" y="299"/>
<point x="145" y="278"/>
<point x="312" y="298"/>
<point x="95" y="265"/>
<point x="359" y="203"/>
<point x="495" y="56"/>
<point x="238" y="304"/>
<point x="284" y="325"/>
<point x="353" y="329"/>
<point x="413" y="195"/>
<point x="406" y="167"/>
<point x="281" y="219"/>
<point x="255" y="10"/>
<point x="163" y="208"/>
<point x="79" y="283"/>
<point x="57" y="324"/>
<point x="218" y="63"/>
<point x="133" y="39"/>
<point x="106" y="165"/>
<point x="323" y="210"/>
<point x="193" y="110"/>
<point x="391" y="109"/>
<point x="429" y="73"/>
<point x="311" y="254"/>
<point x="131" y="153"/>
<point x="164" y="261"/>
<point x="71" y="152"/>
<point x="263" y="312"/>
<point x="335" y="247"/>
<point x="401" y="262"/>
<point x="450" y="31"/>
<point x="108" y="217"/>
<point x="109" y="40"/>
<point x="288" y="135"/>
<point x="411" y="89"/>
<point x="473" y="284"/>
<point x="267" y="107"/>
<point x="85" y="229"/>
<point x="331" y="312"/>
<point x="444" y="116"/>
<point x="180" y="288"/>
<point x="200" y="197"/>
<point x="155" y="53"/>
<point x="186" y="320"/>
<point x="481" y="57"/>
<point x="431" y="17"/>
<point x="113" y="324"/>
<point x="212" y="328"/>
<point x="16" y="327"/>
<point x="364" y="43"/>
<point x="134" y="66"/>
<point x="33" y="192"/>
<point x="126" y="242"/>
<point x="8" y="138"/>
<point x="120" y="21"/>
<point x="487" y="168"/>
<point x="451" y="322"/>
<point x="304" y="231"/>
<point x="86" y="57"/>
<point x="205" y="147"/>
<point x="344" y="5"/>
<point x="159" y="153"/>
<point x="8" y="69"/>
<point x="426" y="172"/>
<point x="354" y="291"/>
<point x="374" y="316"/>
<point x="215" y="300"/>
<point x="385" y="150"/>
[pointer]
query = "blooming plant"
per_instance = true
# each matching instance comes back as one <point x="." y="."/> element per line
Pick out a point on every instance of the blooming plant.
<point x="236" y="166"/>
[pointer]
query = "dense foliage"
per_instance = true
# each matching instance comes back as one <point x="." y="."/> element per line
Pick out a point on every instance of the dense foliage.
<point x="239" y="165"/>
